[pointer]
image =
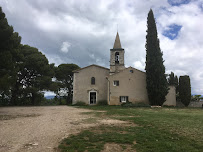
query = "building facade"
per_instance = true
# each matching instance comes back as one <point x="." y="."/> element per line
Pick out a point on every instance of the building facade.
<point x="116" y="85"/>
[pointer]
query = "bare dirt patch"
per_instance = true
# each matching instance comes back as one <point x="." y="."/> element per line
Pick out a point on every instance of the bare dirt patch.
<point x="37" y="129"/>
<point x="112" y="122"/>
<point x="9" y="117"/>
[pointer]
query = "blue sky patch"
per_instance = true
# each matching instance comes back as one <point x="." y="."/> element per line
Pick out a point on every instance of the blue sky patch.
<point x="201" y="6"/>
<point x="178" y="2"/>
<point x="172" y="31"/>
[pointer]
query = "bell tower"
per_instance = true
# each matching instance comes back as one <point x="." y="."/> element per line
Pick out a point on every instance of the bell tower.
<point x="116" y="57"/>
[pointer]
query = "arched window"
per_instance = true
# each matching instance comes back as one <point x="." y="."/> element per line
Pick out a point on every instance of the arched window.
<point x="93" y="80"/>
<point x="117" y="57"/>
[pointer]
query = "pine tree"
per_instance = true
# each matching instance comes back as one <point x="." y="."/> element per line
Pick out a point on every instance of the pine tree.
<point x="64" y="75"/>
<point x="185" y="90"/>
<point x="157" y="86"/>
<point x="9" y="43"/>
<point x="31" y="78"/>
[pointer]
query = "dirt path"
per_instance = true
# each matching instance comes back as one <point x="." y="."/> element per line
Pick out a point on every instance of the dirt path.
<point x="39" y="129"/>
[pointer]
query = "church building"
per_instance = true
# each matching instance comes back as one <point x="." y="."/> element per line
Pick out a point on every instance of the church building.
<point x="116" y="85"/>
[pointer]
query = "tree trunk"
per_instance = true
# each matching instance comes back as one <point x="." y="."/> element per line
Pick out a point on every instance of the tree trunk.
<point x="14" y="95"/>
<point x="33" y="99"/>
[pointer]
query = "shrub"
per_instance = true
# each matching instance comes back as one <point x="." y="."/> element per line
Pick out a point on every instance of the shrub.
<point x="127" y="104"/>
<point x="49" y="102"/>
<point x="102" y="103"/>
<point x="139" y="104"/>
<point x="167" y="106"/>
<point x="185" y="90"/>
<point x="80" y="103"/>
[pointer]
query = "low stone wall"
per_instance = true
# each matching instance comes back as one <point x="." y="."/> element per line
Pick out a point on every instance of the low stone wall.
<point x="179" y="104"/>
<point x="196" y="104"/>
<point x="192" y="104"/>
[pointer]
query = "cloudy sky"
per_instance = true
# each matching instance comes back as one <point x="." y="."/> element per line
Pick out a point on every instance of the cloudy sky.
<point x="83" y="31"/>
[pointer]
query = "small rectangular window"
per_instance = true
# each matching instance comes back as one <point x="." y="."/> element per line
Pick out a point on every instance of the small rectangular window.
<point x="131" y="71"/>
<point x="123" y="99"/>
<point x="93" y="81"/>
<point x="116" y="83"/>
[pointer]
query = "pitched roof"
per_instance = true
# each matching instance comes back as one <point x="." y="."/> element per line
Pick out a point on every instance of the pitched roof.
<point x="90" y="66"/>
<point x="117" y="43"/>
<point x="127" y="69"/>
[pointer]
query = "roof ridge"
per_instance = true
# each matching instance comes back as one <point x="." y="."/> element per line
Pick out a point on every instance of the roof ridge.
<point x="126" y="69"/>
<point x="90" y="66"/>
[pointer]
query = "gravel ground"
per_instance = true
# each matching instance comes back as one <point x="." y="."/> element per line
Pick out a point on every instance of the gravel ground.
<point x="39" y="129"/>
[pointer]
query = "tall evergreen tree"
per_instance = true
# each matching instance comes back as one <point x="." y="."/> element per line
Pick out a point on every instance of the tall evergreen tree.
<point x="9" y="45"/>
<point x="157" y="86"/>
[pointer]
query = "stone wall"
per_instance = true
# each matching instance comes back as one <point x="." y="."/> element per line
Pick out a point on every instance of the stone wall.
<point x="171" y="97"/>
<point x="196" y="104"/>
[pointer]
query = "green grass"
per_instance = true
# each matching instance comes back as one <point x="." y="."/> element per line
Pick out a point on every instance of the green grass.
<point x="157" y="129"/>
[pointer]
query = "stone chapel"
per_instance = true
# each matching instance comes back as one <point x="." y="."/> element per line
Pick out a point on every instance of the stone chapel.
<point x="116" y="85"/>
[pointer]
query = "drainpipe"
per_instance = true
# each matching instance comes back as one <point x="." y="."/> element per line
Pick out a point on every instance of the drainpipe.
<point x="109" y="89"/>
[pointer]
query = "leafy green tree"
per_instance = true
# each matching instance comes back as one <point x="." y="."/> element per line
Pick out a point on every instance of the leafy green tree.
<point x="196" y="97"/>
<point x="34" y="75"/>
<point x="9" y="45"/>
<point x="64" y="77"/>
<point x="157" y="86"/>
<point x="173" y="80"/>
<point x="176" y="83"/>
<point x="185" y="90"/>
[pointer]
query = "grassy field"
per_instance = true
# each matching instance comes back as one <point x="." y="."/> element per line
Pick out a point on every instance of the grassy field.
<point x="149" y="130"/>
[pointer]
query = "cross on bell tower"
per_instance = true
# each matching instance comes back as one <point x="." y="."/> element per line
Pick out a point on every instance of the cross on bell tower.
<point x="116" y="56"/>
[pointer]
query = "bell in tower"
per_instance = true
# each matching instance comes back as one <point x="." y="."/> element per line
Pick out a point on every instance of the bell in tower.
<point x="116" y="56"/>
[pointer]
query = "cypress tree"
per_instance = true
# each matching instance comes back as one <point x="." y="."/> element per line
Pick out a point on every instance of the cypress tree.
<point x="157" y="86"/>
<point x="185" y="90"/>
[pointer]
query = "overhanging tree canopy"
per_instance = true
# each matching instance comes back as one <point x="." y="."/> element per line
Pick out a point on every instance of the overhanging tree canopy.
<point x="9" y="45"/>
<point x="34" y="75"/>
<point x="64" y="75"/>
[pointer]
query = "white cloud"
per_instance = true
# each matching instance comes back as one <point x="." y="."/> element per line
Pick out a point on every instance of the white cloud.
<point x="139" y="65"/>
<point x="49" y="93"/>
<point x="88" y="28"/>
<point x="65" y="47"/>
